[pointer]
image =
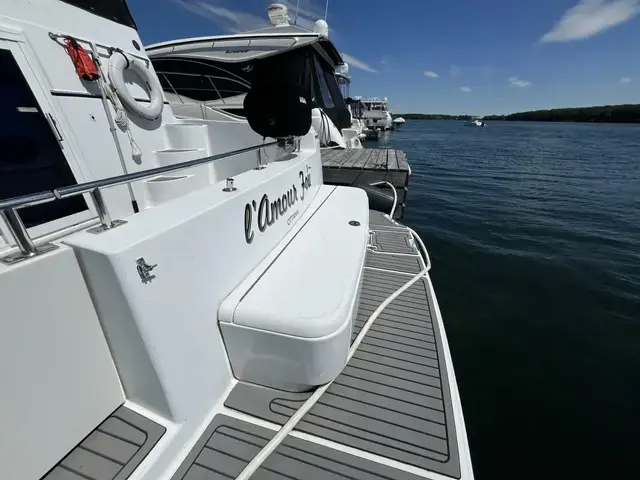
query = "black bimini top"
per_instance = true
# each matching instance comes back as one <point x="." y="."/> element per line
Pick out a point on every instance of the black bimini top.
<point x="211" y="69"/>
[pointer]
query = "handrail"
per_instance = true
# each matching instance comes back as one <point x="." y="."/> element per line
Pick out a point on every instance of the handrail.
<point x="27" y="200"/>
<point x="88" y="187"/>
<point x="9" y="206"/>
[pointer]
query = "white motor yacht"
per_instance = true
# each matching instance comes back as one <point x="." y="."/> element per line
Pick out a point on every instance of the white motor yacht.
<point x="376" y="114"/>
<point x="206" y="77"/>
<point x="183" y="297"/>
<point x="356" y="109"/>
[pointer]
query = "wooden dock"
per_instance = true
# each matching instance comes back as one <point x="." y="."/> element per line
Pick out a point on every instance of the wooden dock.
<point x="351" y="165"/>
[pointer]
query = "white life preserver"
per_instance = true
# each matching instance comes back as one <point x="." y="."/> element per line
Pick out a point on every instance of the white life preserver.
<point x="118" y="63"/>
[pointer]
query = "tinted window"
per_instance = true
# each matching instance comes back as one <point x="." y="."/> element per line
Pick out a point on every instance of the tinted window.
<point x="115" y="10"/>
<point x="327" y="100"/>
<point x="201" y="80"/>
<point x="30" y="157"/>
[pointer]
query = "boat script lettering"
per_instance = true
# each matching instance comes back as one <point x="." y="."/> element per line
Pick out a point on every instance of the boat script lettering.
<point x="264" y="213"/>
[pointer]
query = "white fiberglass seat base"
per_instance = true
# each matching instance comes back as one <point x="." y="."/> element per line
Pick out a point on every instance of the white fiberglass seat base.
<point x="288" y="324"/>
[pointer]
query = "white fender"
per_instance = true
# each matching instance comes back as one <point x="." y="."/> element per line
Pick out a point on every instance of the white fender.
<point x="327" y="131"/>
<point x="118" y="62"/>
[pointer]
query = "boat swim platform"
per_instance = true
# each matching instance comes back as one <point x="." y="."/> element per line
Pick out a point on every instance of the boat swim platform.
<point x="351" y="165"/>
<point x="392" y="414"/>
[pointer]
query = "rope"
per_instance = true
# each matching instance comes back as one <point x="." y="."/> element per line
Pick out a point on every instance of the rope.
<point x="122" y="121"/>
<point x="288" y="427"/>
<point x="278" y="438"/>
<point x="395" y="198"/>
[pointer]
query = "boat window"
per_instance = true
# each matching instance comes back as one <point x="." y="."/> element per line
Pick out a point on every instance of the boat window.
<point x="31" y="160"/>
<point x="204" y="81"/>
<point x="344" y="86"/>
<point x="115" y="10"/>
<point x="327" y="100"/>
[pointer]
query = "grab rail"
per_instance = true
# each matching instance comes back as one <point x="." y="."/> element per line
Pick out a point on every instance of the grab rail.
<point x="9" y="207"/>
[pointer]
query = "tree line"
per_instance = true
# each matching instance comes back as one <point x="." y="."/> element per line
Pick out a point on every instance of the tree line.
<point x="629" y="113"/>
<point x="430" y="116"/>
<point x="607" y="113"/>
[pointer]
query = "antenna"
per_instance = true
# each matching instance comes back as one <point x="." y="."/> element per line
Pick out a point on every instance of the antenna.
<point x="297" y="8"/>
<point x="326" y="10"/>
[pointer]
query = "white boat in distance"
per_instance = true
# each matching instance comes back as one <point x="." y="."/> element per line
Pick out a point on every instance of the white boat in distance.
<point x="184" y="297"/>
<point x="376" y="113"/>
<point x="475" y="123"/>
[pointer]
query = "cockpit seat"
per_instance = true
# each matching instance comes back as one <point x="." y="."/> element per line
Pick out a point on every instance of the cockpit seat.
<point x="288" y="325"/>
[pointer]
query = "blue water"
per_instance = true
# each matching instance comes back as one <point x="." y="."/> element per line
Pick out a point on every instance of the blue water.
<point x="534" y="234"/>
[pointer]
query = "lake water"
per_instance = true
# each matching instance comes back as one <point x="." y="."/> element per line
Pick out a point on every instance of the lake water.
<point x="534" y="234"/>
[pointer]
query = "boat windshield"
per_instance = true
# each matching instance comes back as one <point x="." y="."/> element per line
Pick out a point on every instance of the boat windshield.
<point x="224" y="84"/>
<point x="343" y="83"/>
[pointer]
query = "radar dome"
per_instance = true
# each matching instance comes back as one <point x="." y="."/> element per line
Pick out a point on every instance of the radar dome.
<point x="321" y="27"/>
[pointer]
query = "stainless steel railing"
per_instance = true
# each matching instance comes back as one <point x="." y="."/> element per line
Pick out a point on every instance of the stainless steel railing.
<point x="27" y="249"/>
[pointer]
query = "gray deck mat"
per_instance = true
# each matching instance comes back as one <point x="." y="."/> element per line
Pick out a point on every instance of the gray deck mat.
<point x="392" y="399"/>
<point x="112" y="451"/>
<point x="397" y="263"/>
<point x="378" y="220"/>
<point x="229" y="444"/>
<point x="393" y="241"/>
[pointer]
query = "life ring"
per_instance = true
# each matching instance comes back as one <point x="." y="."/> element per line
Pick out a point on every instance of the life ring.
<point x="118" y="63"/>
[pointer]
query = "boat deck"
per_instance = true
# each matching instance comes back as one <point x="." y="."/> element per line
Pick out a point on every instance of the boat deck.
<point x="349" y="166"/>
<point x="112" y="451"/>
<point x="389" y="415"/>
<point x="393" y="413"/>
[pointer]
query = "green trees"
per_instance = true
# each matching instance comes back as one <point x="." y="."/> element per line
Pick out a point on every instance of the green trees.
<point x="601" y="114"/>
<point x="629" y="113"/>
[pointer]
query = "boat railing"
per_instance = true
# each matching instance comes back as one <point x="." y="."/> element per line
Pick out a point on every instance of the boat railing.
<point x="27" y="249"/>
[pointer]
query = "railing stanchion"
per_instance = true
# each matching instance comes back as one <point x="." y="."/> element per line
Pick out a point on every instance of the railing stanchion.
<point x="101" y="208"/>
<point x="106" y="222"/>
<point x="19" y="232"/>
<point x="23" y="241"/>
<point x="260" y="166"/>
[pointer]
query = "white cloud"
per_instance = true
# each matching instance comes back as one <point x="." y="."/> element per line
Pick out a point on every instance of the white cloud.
<point x="236" y="21"/>
<point x="230" y="20"/>
<point x="454" y="71"/>
<point x="354" y="62"/>
<point x="431" y="74"/>
<point x="517" y="82"/>
<point x="465" y="89"/>
<point x="625" y="80"/>
<point x="591" y="17"/>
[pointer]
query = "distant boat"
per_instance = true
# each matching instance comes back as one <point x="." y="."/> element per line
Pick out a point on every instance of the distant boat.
<point x="376" y="114"/>
<point x="399" y="121"/>
<point x="475" y="123"/>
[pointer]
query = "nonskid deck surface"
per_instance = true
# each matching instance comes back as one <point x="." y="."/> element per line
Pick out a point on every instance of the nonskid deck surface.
<point x="391" y="406"/>
<point x="112" y="451"/>
<point x="229" y="444"/>
<point x="391" y="401"/>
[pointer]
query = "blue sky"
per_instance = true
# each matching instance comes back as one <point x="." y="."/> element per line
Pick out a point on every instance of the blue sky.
<point x="450" y="56"/>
